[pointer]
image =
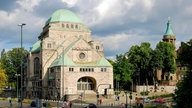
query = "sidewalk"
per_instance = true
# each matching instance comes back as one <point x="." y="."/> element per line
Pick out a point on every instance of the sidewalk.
<point x="6" y="104"/>
<point x="122" y="99"/>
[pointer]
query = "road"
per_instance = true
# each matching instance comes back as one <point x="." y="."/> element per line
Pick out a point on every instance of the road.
<point x="6" y="104"/>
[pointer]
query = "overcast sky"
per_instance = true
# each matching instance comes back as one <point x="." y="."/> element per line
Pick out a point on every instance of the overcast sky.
<point x="119" y="24"/>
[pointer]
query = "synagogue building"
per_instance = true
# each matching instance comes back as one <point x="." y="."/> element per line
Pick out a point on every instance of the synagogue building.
<point x="66" y="61"/>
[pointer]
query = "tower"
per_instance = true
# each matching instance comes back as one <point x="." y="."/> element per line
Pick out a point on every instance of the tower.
<point x="167" y="77"/>
<point x="169" y="35"/>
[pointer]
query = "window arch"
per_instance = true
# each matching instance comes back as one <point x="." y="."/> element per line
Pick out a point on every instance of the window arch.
<point x="171" y="78"/>
<point x="85" y="83"/>
<point x="72" y="26"/>
<point x="63" y="25"/>
<point x="76" y="26"/>
<point x="36" y="66"/>
<point x="67" y="25"/>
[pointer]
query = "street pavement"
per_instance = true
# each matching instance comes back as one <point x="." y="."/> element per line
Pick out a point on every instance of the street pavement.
<point x="106" y="103"/>
<point x="6" y="104"/>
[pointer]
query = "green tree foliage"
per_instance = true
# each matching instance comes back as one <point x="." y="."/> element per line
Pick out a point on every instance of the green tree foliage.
<point x="185" y="55"/>
<point x="156" y="63"/>
<point x="3" y="79"/>
<point x="140" y="63"/>
<point x="122" y="71"/>
<point x="184" y="91"/>
<point x="140" y="57"/>
<point x="167" y="53"/>
<point x="156" y="60"/>
<point x="11" y="62"/>
<point x="184" y="88"/>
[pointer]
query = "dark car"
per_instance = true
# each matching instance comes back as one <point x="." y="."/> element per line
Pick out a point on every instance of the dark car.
<point x="91" y="106"/>
<point x="33" y="104"/>
<point x="46" y="104"/>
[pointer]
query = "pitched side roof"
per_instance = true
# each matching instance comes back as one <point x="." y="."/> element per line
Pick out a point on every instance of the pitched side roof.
<point x="36" y="47"/>
<point x="66" y="61"/>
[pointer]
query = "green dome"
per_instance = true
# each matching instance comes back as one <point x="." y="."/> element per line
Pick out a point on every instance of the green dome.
<point x="64" y="15"/>
<point x="168" y="30"/>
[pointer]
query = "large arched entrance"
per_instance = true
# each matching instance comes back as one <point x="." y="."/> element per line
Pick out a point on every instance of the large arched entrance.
<point x="86" y="83"/>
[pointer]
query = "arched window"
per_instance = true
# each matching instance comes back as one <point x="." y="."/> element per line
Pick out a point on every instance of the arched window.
<point x="63" y="25"/>
<point x="85" y="84"/>
<point x="171" y="78"/>
<point x="67" y="25"/>
<point x="36" y="66"/>
<point x="76" y="26"/>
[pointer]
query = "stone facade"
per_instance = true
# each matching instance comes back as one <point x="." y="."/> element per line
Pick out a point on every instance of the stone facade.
<point x="150" y="88"/>
<point x="65" y="61"/>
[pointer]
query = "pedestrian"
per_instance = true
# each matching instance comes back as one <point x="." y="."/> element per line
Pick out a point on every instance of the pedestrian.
<point x="70" y="104"/>
<point x="10" y="102"/>
<point x="63" y="104"/>
<point x="141" y="105"/>
<point x="118" y="97"/>
<point x="122" y="105"/>
<point x="100" y="101"/>
<point x="111" y="105"/>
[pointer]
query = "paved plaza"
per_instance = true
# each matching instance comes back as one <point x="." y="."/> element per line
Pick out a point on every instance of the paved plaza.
<point x="106" y="102"/>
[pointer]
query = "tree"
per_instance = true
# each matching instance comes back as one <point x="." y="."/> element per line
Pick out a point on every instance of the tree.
<point x="122" y="71"/>
<point x="139" y="57"/>
<point x="184" y="91"/>
<point x="3" y="79"/>
<point x="168" y="56"/>
<point x="185" y="55"/>
<point x="156" y="63"/>
<point x="184" y="88"/>
<point x="11" y="63"/>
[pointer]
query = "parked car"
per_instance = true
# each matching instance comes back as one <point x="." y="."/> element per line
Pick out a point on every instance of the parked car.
<point x="91" y="106"/>
<point x="46" y="104"/>
<point x="144" y="100"/>
<point x="33" y="104"/>
<point x="159" y="100"/>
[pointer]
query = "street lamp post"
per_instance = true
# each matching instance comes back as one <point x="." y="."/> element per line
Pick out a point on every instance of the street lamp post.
<point x="126" y="99"/>
<point x="130" y="97"/>
<point x="21" y="94"/>
<point x="17" y="75"/>
<point x="97" y="96"/>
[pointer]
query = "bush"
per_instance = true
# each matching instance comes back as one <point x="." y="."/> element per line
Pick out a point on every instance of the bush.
<point x="144" y="93"/>
<point x="117" y="92"/>
<point x="162" y="96"/>
<point x="26" y="101"/>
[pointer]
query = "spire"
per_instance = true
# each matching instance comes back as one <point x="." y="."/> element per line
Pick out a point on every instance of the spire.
<point x="168" y="30"/>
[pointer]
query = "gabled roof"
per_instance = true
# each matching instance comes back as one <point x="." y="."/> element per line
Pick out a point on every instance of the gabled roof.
<point x="36" y="47"/>
<point x="61" y="61"/>
<point x="65" y="61"/>
<point x="103" y="62"/>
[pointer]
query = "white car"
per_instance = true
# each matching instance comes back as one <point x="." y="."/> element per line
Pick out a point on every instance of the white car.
<point x="145" y="100"/>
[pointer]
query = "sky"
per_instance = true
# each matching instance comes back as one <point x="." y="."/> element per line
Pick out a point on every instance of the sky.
<point x="119" y="24"/>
